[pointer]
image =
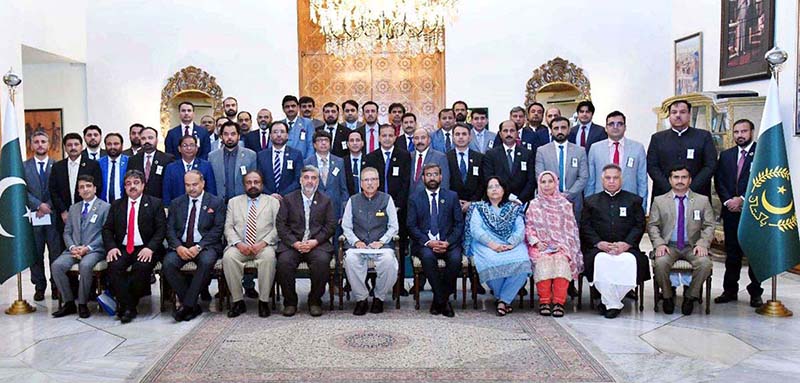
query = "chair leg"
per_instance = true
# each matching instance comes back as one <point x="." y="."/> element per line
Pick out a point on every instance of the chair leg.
<point x="708" y="295"/>
<point x="474" y="285"/>
<point x="533" y="286"/>
<point x="416" y="290"/>
<point x="655" y="295"/>
<point x="521" y="298"/>
<point x="331" y="284"/>
<point x="640" y="295"/>
<point x="162" y="289"/>
<point x="580" y="293"/>
<point x="463" y="290"/>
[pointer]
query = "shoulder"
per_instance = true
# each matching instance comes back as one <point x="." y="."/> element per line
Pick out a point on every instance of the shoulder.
<point x="247" y="153"/>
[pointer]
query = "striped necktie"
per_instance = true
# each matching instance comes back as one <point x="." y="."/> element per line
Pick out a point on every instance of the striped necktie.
<point x="250" y="230"/>
<point x="276" y="169"/>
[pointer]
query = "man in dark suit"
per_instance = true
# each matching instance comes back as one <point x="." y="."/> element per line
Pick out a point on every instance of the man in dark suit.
<point x="231" y="162"/>
<point x="512" y="163"/>
<point x="133" y="236"/>
<point x="350" y="114"/>
<point x="681" y="145"/>
<point x="63" y="182"/>
<point x="93" y="135"/>
<point x="526" y="137"/>
<point x="257" y="139"/>
<point x="338" y="133"/>
<point x="37" y="173"/>
<point x="586" y="133"/>
<point x="354" y="161"/>
<point x="194" y="234"/>
<point x="173" y="174"/>
<point x="436" y="224"/>
<point x="187" y="128"/>
<point x="465" y="168"/>
<point x="612" y="225"/>
<point x="406" y="139"/>
<point x="536" y="123"/>
<point x="151" y="162"/>
<point x="280" y="164"/>
<point x="133" y="137"/>
<point x="733" y="172"/>
<point x="306" y="221"/>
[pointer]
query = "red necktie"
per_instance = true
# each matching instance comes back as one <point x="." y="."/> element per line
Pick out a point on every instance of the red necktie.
<point x="131" y="226"/>
<point x="740" y="164"/>
<point x="371" y="140"/>
<point x="616" y="153"/>
<point x="418" y="169"/>
<point x="583" y="136"/>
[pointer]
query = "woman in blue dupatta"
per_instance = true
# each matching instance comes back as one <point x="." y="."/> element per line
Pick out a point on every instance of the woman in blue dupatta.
<point x="493" y="237"/>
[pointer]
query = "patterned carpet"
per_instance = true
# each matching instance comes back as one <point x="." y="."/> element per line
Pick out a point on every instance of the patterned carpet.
<point x="402" y="346"/>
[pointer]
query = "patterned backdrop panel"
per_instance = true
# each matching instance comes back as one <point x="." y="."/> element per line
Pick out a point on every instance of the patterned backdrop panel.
<point x="416" y="82"/>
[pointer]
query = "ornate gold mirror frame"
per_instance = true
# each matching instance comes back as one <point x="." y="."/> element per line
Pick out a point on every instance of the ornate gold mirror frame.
<point x="558" y="75"/>
<point x="188" y="81"/>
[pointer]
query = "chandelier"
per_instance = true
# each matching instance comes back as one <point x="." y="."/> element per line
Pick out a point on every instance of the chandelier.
<point x="354" y="27"/>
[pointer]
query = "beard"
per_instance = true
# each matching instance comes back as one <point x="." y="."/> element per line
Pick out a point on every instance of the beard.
<point x="432" y="185"/>
<point x="461" y="117"/>
<point x="230" y="113"/>
<point x="253" y="192"/>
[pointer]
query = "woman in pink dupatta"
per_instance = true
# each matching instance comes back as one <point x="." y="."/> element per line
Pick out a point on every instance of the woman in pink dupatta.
<point x="553" y="245"/>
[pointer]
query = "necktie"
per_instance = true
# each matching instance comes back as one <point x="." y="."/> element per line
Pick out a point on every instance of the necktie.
<point x="188" y="167"/>
<point x="94" y="156"/>
<point x="42" y="179"/>
<point x="276" y="169"/>
<point x="740" y="164"/>
<point x="410" y="144"/>
<point x="681" y="242"/>
<point x="263" y="139"/>
<point x="85" y="210"/>
<point x="330" y="130"/>
<point x="191" y="224"/>
<point x="479" y="137"/>
<point x="186" y="130"/>
<point x="386" y="164"/>
<point x="307" y="214"/>
<point x="447" y="142"/>
<point x="323" y="171"/>
<point x="131" y="227"/>
<point x="462" y="166"/>
<point x="583" y="136"/>
<point x="510" y="160"/>
<point x="434" y="215"/>
<point x="418" y="168"/>
<point x="561" y="168"/>
<point x="250" y="229"/>
<point x="356" y="178"/>
<point x="616" y="153"/>
<point x="112" y="182"/>
<point x="147" y="166"/>
<point x="291" y="123"/>
<point x="371" y="140"/>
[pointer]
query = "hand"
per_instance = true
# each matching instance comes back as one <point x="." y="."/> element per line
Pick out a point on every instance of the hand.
<point x="183" y="253"/>
<point x="113" y="254"/>
<point x="194" y="251"/>
<point x="77" y="253"/>
<point x="734" y="204"/>
<point x="257" y="247"/>
<point x="541" y="246"/>
<point x="243" y="248"/>
<point x="376" y="245"/>
<point x="662" y="250"/>
<point x="604" y="246"/>
<point x="145" y="255"/>
<point x="621" y="247"/>
<point x="311" y="244"/>
<point x="75" y="250"/>
<point x="44" y="209"/>
<point x="361" y="245"/>
<point x="277" y="196"/>
<point x="64" y="216"/>
<point x="700" y="251"/>
<point x="297" y="245"/>
<point x="464" y="205"/>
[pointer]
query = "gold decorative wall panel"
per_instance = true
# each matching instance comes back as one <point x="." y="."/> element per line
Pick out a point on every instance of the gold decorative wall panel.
<point x="416" y="82"/>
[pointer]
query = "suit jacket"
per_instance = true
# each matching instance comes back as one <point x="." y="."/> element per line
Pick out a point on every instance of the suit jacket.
<point x="473" y="188"/>
<point x="317" y="123"/>
<point x="433" y="157"/>
<point x="174" y="137"/>
<point x="402" y="142"/>
<point x="290" y="171"/>
<point x="728" y="186"/>
<point x="521" y="179"/>
<point x="488" y="141"/>
<point x="634" y="168"/>
<point x="85" y="154"/>
<point x="528" y="139"/>
<point x="339" y="139"/>
<point x="59" y="182"/>
<point x="245" y="158"/>
<point x="129" y="152"/>
<point x="301" y="136"/>
<point x="662" y="222"/>
<point x="252" y="140"/>
<point x="596" y="133"/>
<point x="174" y="186"/>
<point x="155" y="182"/>
<point x="38" y="193"/>
<point x="543" y="136"/>
<point x="152" y="224"/>
<point x="336" y="187"/>
<point x="576" y="171"/>
<point x="399" y="175"/>
<point x="210" y="223"/>
<point x="450" y="222"/>
<point x="438" y="140"/>
<point x="291" y="221"/>
<point x="236" y="219"/>
<point x="667" y="150"/>
<point x="353" y="183"/>
<point x="105" y="169"/>
<point x="86" y="231"/>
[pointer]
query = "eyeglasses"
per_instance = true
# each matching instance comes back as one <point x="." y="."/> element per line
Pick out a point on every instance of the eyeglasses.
<point x="431" y="174"/>
<point x="187" y="146"/>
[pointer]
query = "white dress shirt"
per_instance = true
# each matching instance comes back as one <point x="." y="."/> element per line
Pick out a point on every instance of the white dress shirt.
<point x="72" y="168"/>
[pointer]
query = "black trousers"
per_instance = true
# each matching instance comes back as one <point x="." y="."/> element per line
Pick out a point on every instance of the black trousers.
<point x="188" y="292"/>
<point x="443" y="284"/>
<point x="130" y="286"/>
<point x="319" y="266"/>
<point x="45" y="235"/>
<point x="733" y="260"/>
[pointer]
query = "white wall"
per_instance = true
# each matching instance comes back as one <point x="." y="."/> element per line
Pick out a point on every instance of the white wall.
<point x="134" y="46"/>
<point x="623" y="46"/>
<point x="58" y="85"/>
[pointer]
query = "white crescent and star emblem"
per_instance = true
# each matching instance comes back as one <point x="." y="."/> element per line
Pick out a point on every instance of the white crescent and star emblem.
<point x="5" y="183"/>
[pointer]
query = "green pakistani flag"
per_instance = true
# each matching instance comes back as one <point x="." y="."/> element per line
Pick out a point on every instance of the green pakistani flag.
<point x="16" y="233"/>
<point x="768" y="227"/>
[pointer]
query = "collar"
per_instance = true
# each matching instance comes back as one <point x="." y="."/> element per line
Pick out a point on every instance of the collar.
<point x="480" y="132"/>
<point x="274" y="149"/>
<point x="424" y="153"/>
<point x="384" y="150"/>
<point x="610" y="194"/>
<point x="288" y="121"/>
<point x="621" y="142"/>
<point x="46" y="160"/>
<point x="199" y="198"/>
<point x="320" y="158"/>
<point x="430" y="192"/>
<point x="367" y="127"/>
<point x="135" y="200"/>
<point x="97" y="153"/>
<point x="90" y="202"/>
<point x="74" y="163"/>
<point x="465" y="151"/>
<point x="588" y="125"/>
<point x="687" y="195"/>
<point x="358" y="157"/>
<point x="445" y="131"/>
<point x="311" y="199"/>
<point x="506" y="147"/>
<point x="680" y="133"/>
<point x="185" y="164"/>
<point x="231" y="151"/>
<point x="117" y="158"/>
<point x="746" y="148"/>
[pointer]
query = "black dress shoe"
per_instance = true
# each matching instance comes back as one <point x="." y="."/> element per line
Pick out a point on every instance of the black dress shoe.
<point x="361" y="307"/>
<point x="132" y="312"/>
<point x="180" y="314"/>
<point x="38" y="296"/>
<point x="67" y="309"/>
<point x="725" y="298"/>
<point x="481" y="290"/>
<point x="251" y="293"/>
<point x="447" y="310"/>
<point x="687" y="306"/>
<point x="435" y="309"/>
<point x="195" y="312"/>
<point x="612" y="313"/>
<point x="404" y="292"/>
<point x="572" y="292"/>
<point x="377" y="306"/>
<point x="631" y="295"/>
<point x="669" y="305"/>
<point x="83" y="311"/>
<point x="205" y="296"/>
<point x="601" y="309"/>
<point x="756" y="302"/>
<point x="237" y="308"/>
<point x="263" y="309"/>
<point x="127" y="317"/>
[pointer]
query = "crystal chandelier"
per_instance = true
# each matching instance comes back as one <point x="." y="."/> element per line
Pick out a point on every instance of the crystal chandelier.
<point x="354" y="27"/>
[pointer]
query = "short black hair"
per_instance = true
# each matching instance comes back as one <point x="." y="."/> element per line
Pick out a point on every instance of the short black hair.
<point x="185" y="103"/>
<point x="86" y="178"/>
<point x="536" y="103"/>
<point x="482" y="111"/>
<point x="135" y="125"/>
<point x="149" y="128"/>
<point x="611" y="166"/>
<point x="351" y="102"/>
<point x="462" y="125"/>
<point x="133" y="173"/>
<point x="114" y="134"/>
<point x="385" y="126"/>
<point x="92" y="127"/>
<point x="332" y="105"/>
<point x="221" y="118"/>
<point x="460" y="102"/>
<point x="322" y="133"/>
<point x="231" y="98"/>
<point x="231" y="123"/>
<point x="72" y="136"/>
<point x="445" y="110"/>
<point x="502" y="184"/>
<point x="244" y="112"/>
<point x="688" y="105"/>
<point x="431" y="166"/>
<point x="409" y="114"/>
<point x="397" y="105"/>
<point x="285" y="126"/>
<point x="678" y="168"/>
<point x="559" y="119"/>
<point x="356" y="131"/>
<point x="370" y="103"/>
<point x="745" y="121"/>
<point x="616" y="113"/>
<point x="306" y="100"/>
<point x="289" y="98"/>
<point x="254" y="171"/>
<point x="183" y="138"/>
<point x="587" y="104"/>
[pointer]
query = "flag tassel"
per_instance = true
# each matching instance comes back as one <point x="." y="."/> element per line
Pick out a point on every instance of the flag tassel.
<point x="20" y="306"/>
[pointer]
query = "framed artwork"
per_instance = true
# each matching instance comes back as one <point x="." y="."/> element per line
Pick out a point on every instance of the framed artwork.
<point x="689" y="64"/>
<point x="49" y="120"/>
<point x="747" y="33"/>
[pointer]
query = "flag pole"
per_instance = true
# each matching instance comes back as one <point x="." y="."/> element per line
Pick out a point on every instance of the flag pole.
<point x="20" y="306"/>
<point x="773" y="307"/>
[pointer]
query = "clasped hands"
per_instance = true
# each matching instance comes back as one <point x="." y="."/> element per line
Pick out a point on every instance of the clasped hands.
<point x="187" y="253"/>
<point x="306" y="246"/>
<point x="613" y="248"/>
<point x="373" y="245"/>
<point x="499" y="247"/>
<point x="251" y="250"/>
<point x="438" y="247"/>
<point x="78" y="252"/>
<point x="145" y="255"/>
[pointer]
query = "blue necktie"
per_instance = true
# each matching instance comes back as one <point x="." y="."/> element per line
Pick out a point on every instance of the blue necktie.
<point x="85" y="210"/>
<point x="434" y="215"/>
<point x="386" y="172"/>
<point x="510" y="161"/>
<point x="112" y="184"/>
<point x="188" y="167"/>
<point x="41" y="175"/>
<point x="462" y="166"/>
<point x="447" y="142"/>
<point x="356" y="178"/>
<point x="410" y="144"/>
<point x="560" y="168"/>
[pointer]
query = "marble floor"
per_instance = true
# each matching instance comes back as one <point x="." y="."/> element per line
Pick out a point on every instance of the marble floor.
<point x="731" y="344"/>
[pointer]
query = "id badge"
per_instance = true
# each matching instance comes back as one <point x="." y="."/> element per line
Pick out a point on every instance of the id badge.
<point x="574" y="162"/>
<point x="289" y="165"/>
<point x="523" y="166"/>
<point x="93" y="219"/>
<point x="243" y="169"/>
<point x="475" y="170"/>
<point x="159" y="170"/>
<point x="344" y="145"/>
<point x="689" y="154"/>
<point x="623" y="211"/>
<point x="395" y="171"/>
<point x="302" y="135"/>
<point x="335" y="171"/>
<point x="696" y="215"/>
<point x="630" y="162"/>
